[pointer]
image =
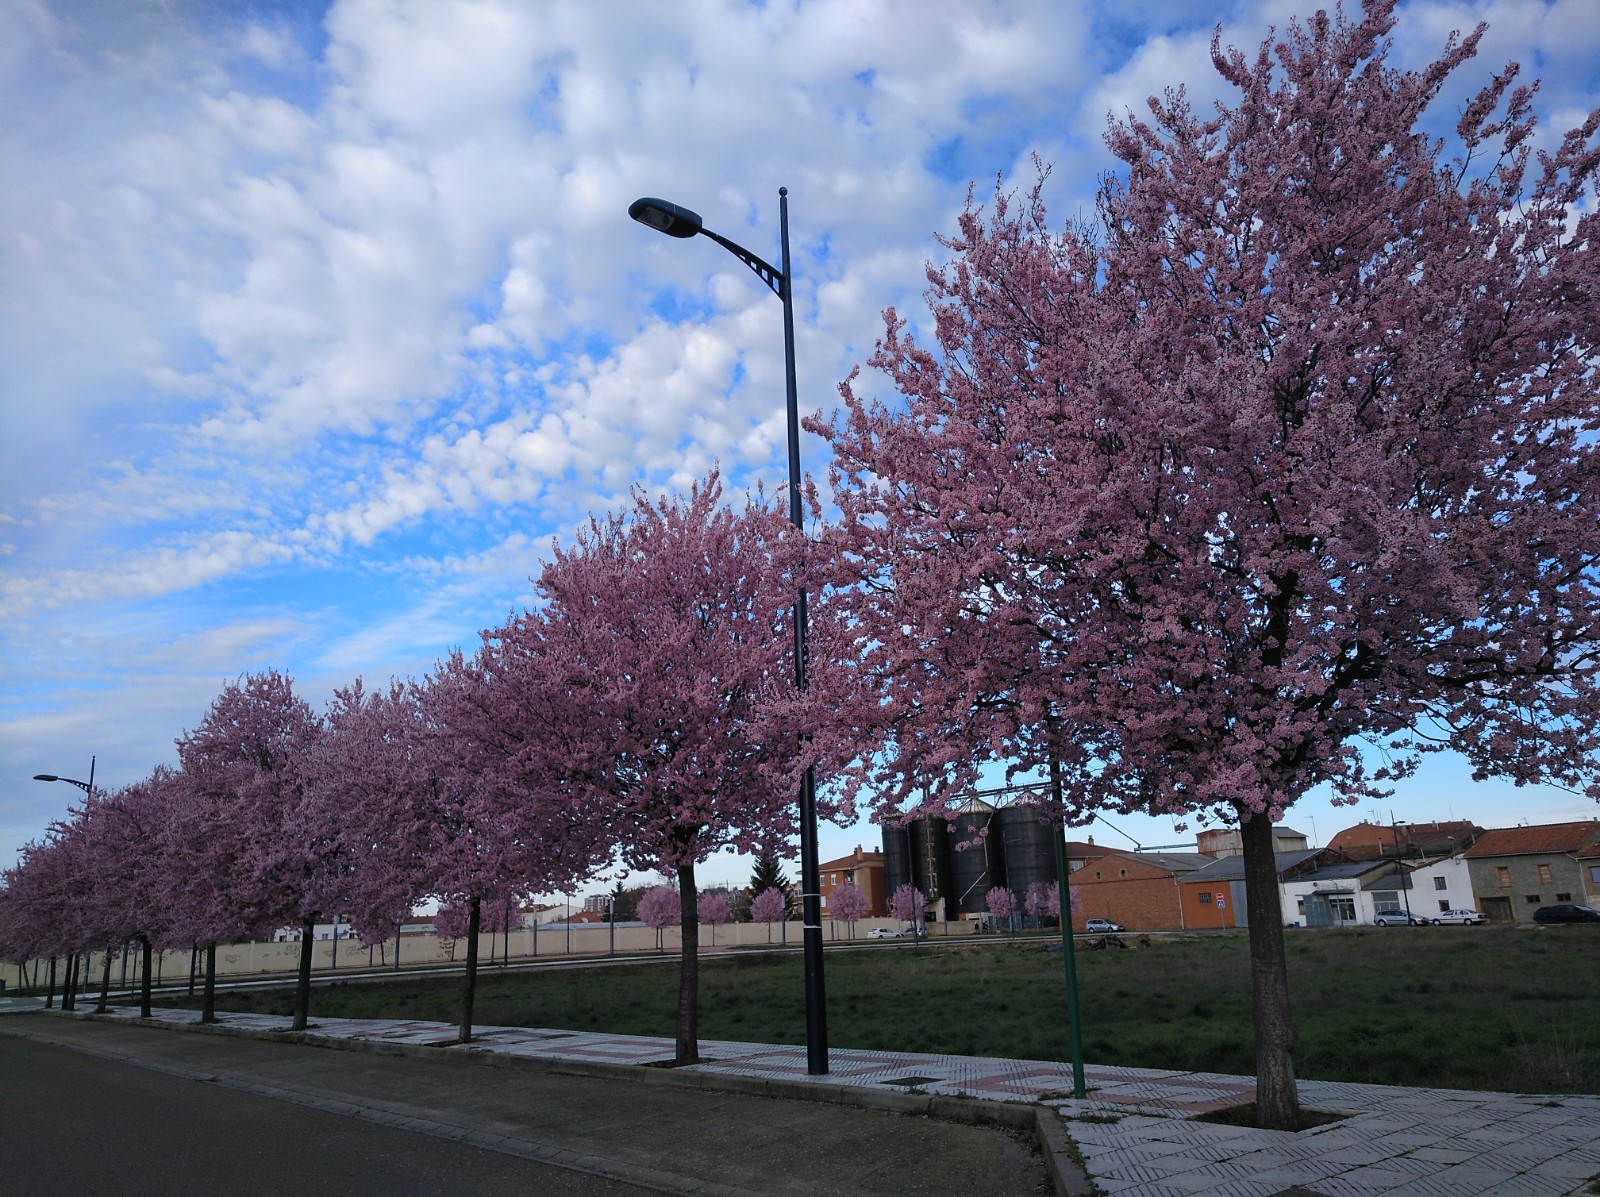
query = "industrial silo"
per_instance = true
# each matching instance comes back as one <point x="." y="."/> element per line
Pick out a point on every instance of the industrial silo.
<point x="930" y="856"/>
<point x="896" y="857"/>
<point x="1028" y="846"/>
<point x="980" y="865"/>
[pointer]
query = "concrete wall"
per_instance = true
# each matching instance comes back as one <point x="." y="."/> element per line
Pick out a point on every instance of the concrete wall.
<point x="236" y="961"/>
<point x="1527" y="890"/>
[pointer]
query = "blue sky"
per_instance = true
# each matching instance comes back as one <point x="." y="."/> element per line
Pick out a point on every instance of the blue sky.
<point x="320" y="321"/>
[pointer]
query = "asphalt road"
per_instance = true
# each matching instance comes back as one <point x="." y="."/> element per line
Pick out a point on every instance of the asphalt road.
<point x="76" y="1124"/>
<point x="95" y="1107"/>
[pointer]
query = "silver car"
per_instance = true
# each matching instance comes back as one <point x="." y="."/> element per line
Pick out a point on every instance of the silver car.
<point x="1397" y="918"/>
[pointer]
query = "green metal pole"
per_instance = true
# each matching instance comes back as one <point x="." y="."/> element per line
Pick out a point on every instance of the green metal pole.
<point x="1068" y="959"/>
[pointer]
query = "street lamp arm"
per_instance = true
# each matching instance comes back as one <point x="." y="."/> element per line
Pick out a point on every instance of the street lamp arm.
<point x="85" y="786"/>
<point x="765" y="271"/>
<point x="677" y="221"/>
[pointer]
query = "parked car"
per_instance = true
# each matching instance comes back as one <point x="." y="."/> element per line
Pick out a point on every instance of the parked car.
<point x="1566" y="913"/>
<point x="1397" y="918"/>
<point x="881" y="933"/>
<point x="1100" y="927"/>
<point x="1463" y="918"/>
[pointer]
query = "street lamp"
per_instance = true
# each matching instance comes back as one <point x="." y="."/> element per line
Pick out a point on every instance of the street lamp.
<point x="67" y="1000"/>
<point x="86" y="786"/>
<point x="676" y="221"/>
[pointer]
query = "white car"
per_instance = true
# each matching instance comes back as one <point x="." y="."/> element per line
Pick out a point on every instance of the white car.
<point x="1100" y="927"/>
<point x="1464" y="918"/>
<point x="881" y="933"/>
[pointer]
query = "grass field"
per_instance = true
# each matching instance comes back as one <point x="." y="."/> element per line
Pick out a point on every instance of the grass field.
<point x="1456" y="1007"/>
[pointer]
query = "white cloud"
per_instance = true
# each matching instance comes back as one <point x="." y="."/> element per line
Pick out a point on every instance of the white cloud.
<point x="285" y="310"/>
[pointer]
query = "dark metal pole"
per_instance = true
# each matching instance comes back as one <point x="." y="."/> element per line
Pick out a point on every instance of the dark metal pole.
<point x="1068" y="960"/>
<point x="810" y="872"/>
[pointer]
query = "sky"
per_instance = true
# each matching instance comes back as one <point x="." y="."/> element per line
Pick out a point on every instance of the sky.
<point x="319" y="322"/>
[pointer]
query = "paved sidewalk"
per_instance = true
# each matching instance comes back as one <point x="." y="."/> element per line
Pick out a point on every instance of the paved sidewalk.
<point x="1135" y="1133"/>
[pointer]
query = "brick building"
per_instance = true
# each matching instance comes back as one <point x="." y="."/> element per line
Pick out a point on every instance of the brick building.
<point x="1409" y="841"/>
<point x="1138" y="890"/>
<point x="865" y="870"/>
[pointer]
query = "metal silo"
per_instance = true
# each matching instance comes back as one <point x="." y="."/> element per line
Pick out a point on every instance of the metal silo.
<point x="980" y="865"/>
<point x="930" y="854"/>
<point x="896" y="857"/>
<point x="1028" y="845"/>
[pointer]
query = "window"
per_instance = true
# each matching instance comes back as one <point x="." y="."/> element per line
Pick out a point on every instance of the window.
<point x="1544" y="874"/>
<point x="1594" y="874"/>
<point x="1122" y="872"/>
<point x="1439" y="883"/>
<point x="1300" y="905"/>
<point x="1532" y="899"/>
<point x="1385" y="899"/>
<point x="1563" y="897"/>
<point x="1205" y="899"/>
<point x="1097" y="874"/>
<point x="1444" y="904"/>
<point x="1502" y="876"/>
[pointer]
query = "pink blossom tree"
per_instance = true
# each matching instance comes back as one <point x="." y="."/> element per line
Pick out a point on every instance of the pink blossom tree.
<point x="1002" y="904"/>
<point x="848" y="904"/>
<point x="123" y="833"/>
<point x="769" y="906"/>
<point x="501" y="818"/>
<point x="258" y="851"/>
<point x="1043" y="901"/>
<point x="663" y="649"/>
<point x="714" y="909"/>
<point x="660" y="907"/>
<point x="908" y="904"/>
<point x="1290" y="452"/>
<point x="450" y="923"/>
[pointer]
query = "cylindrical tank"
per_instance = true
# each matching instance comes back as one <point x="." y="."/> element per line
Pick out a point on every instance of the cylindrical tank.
<point x="1028" y="846"/>
<point x="981" y="863"/>
<point x="896" y="857"/>
<point x="930" y="855"/>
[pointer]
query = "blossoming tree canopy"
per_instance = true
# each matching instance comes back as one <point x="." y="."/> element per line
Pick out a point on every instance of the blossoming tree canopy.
<point x="661" y="665"/>
<point x="1290" y="451"/>
<point x="848" y="904"/>
<point x="250" y="759"/>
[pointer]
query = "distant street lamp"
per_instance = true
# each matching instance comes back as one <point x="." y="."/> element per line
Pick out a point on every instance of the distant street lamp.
<point x="86" y="786"/>
<point x="67" y="999"/>
<point x="676" y="221"/>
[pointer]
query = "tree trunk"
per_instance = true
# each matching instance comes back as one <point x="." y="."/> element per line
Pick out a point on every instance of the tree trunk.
<point x="50" y="994"/>
<point x="68" y="999"/>
<point x="302" y="987"/>
<point x="1277" y="1101"/>
<point x="688" y="969"/>
<point x="469" y="983"/>
<point x="208" y="1001"/>
<point x="105" y="985"/>
<point x="144" y="979"/>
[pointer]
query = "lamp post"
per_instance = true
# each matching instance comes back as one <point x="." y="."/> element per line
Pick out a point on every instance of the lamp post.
<point x="67" y="997"/>
<point x="1400" y="867"/>
<point x="676" y="221"/>
<point x="86" y="786"/>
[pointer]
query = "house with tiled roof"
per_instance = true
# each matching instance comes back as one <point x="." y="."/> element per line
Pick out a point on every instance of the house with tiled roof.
<point x="1516" y="870"/>
<point x="1589" y="863"/>
<point x="1348" y="893"/>
<point x="1213" y="897"/>
<point x="1138" y="890"/>
<point x="1406" y="841"/>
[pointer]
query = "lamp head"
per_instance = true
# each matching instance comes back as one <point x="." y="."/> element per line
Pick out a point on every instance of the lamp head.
<point x="45" y="777"/>
<point x="665" y="217"/>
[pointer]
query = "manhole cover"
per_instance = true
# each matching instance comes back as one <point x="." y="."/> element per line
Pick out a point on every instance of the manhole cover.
<point x="912" y="1080"/>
